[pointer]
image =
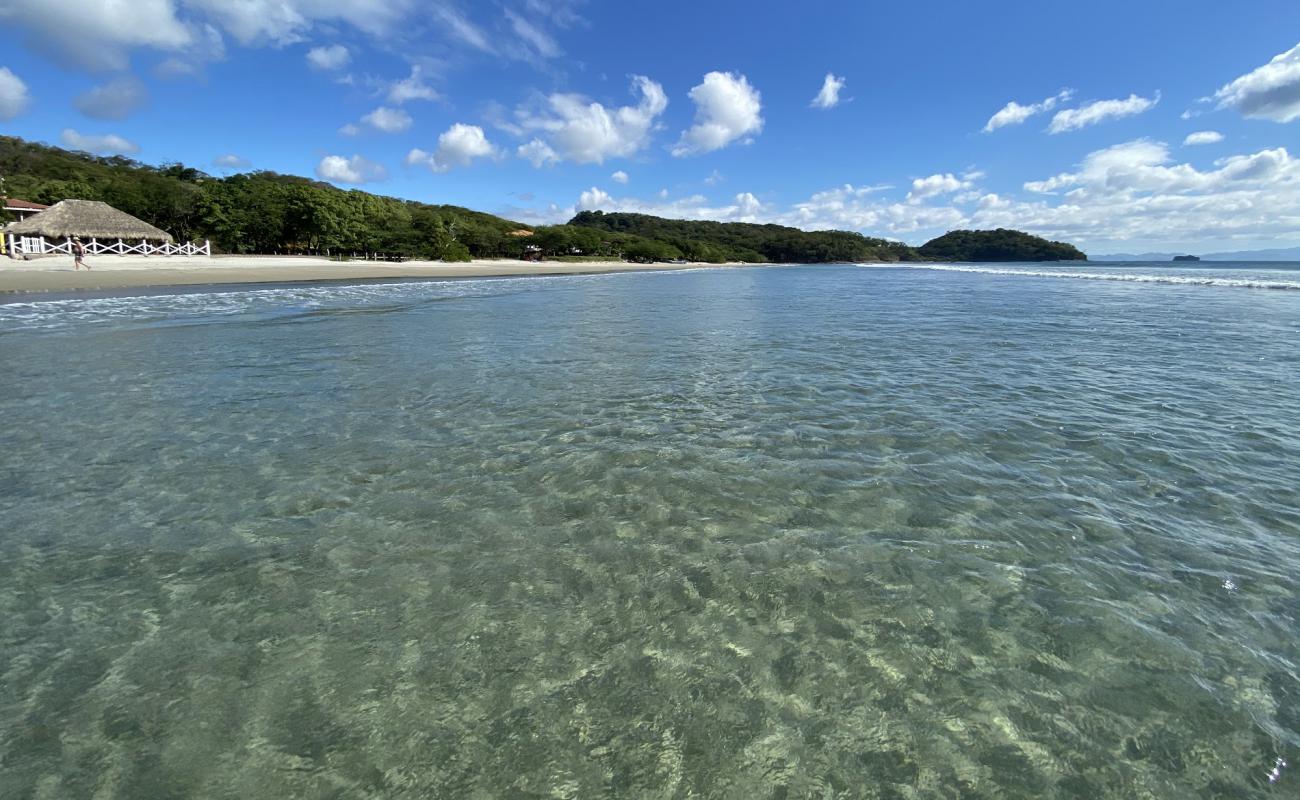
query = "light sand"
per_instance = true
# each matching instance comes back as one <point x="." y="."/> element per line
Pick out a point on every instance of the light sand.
<point x="55" y="274"/>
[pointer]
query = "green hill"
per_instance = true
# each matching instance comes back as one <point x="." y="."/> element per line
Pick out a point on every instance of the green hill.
<point x="260" y="212"/>
<point x="265" y="212"/>
<point x="698" y="240"/>
<point x="998" y="245"/>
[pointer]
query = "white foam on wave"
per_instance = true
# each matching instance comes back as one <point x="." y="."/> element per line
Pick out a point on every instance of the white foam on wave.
<point x="1177" y="280"/>
<point x="180" y="306"/>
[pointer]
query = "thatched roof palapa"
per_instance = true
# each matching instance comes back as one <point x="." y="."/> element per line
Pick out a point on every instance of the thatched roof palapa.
<point x="87" y="219"/>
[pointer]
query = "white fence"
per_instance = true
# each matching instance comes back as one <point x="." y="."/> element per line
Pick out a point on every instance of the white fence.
<point x="40" y="246"/>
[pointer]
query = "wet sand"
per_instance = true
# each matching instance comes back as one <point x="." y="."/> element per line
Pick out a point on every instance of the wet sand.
<point x="56" y="274"/>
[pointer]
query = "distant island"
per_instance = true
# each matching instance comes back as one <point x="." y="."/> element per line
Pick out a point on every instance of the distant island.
<point x="1187" y="258"/>
<point x="1270" y="254"/>
<point x="268" y="213"/>
<point x="997" y="245"/>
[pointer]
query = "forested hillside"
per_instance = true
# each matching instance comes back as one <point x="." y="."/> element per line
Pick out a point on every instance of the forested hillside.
<point x="739" y="241"/>
<point x="997" y="245"/>
<point x="265" y="212"/>
<point x="260" y="212"/>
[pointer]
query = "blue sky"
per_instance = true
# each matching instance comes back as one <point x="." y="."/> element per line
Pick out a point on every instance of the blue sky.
<point x="537" y="108"/>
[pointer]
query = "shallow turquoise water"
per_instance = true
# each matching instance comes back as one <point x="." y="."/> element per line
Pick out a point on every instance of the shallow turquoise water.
<point x="810" y="532"/>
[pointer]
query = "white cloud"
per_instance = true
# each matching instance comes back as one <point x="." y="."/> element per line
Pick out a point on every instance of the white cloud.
<point x="714" y="178"/>
<point x="14" y="98"/>
<point x="1072" y="119"/>
<point x="462" y="28"/>
<point x="1203" y="137"/>
<point x="108" y="144"/>
<point x="331" y="57"/>
<point x="829" y="96"/>
<point x="388" y="120"/>
<point x="577" y="129"/>
<point x="619" y="177"/>
<point x="938" y="184"/>
<point x="1130" y="195"/>
<point x="206" y="46"/>
<point x="288" y="21"/>
<point x="536" y="38"/>
<point x="231" y="161"/>
<point x="744" y="207"/>
<point x="538" y="153"/>
<point x="102" y="34"/>
<point x="1270" y="92"/>
<point x="116" y="99"/>
<point x="411" y="88"/>
<point x="354" y="170"/>
<point x="350" y="129"/>
<point x="1135" y="192"/>
<point x="727" y="109"/>
<point x="458" y="146"/>
<point x="1014" y="114"/>
<point x="95" y="34"/>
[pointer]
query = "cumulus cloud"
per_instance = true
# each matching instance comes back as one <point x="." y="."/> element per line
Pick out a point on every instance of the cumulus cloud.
<point x="108" y="144"/>
<point x="94" y="34"/>
<point x="331" y="57"/>
<point x="727" y="108"/>
<point x="744" y="207"/>
<point x="580" y="130"/>
<point x="1013" y="113"/>
<point x="1144" y="166"/>
<point x="1270" y="92"/>
<point x="938" y="184"/>
<point x="1203" y="137"/>
<point x="458" y="146"/>
<point x="1072" y="119"/>
<point x="538" y="153"/>
<point x="1130" y="195"/>
<point x="411" y="88"/>
<point x="619" y="177"/>
<point x="388" y="120"/>
<point x="354" y="170"/>
<point x="117" y="99"/>
<point x="14" y="98"/>
<point x="231" y="161"/>
<point x="829" y="96"/>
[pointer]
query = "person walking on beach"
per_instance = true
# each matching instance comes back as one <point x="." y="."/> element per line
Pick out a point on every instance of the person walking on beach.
<point x="78" y="254"/>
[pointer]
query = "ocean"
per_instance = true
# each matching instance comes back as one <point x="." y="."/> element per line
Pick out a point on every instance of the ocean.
<point x="981" y="531"/>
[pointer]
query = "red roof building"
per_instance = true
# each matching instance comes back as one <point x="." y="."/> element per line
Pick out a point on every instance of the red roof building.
<point x="21" y="208"/>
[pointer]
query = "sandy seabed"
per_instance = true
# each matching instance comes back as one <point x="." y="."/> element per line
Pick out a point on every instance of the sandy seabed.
<point x="124" y="272"/>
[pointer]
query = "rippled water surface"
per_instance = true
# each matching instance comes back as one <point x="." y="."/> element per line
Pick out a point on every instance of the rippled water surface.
<point x="794" y="532"/>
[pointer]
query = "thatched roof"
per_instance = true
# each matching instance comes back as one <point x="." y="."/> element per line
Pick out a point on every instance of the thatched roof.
<point x="86" y="218"/>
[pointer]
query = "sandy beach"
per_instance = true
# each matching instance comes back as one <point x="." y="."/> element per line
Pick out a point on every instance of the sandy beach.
<point x="56" y="274"/>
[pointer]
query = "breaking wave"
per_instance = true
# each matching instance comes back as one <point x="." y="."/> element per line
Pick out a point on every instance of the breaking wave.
<point x="1256" y="282"/>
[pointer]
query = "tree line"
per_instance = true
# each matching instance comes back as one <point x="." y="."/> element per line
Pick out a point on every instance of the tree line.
<point x="268" y="213"/>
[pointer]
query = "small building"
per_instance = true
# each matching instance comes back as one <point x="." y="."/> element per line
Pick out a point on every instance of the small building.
<point x="22" y="209"/>
<point x="103" y="231"/>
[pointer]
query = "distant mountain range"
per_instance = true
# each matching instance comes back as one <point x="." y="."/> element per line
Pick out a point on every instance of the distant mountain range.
<point x="1276" y="254"/>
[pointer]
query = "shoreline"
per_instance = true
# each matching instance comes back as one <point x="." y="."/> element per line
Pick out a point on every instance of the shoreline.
<point x="116" y="272"/>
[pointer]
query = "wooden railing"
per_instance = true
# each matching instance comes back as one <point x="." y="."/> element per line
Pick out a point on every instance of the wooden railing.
<point x="40" y="246"/>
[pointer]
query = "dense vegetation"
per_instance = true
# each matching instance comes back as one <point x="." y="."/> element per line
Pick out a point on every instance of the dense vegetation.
<point x="261" y="212"/>
<point x="998" y="245"/>
<point x="739" y="241"/>
<point x="264" y="212"/>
